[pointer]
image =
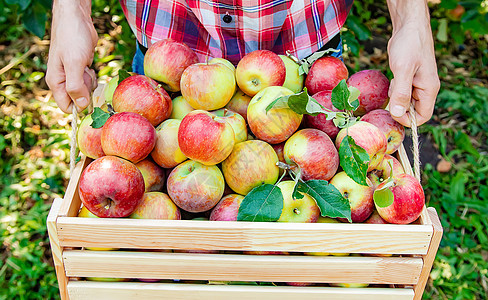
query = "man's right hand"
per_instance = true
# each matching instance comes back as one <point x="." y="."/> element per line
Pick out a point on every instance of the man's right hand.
<point x="73" y="41"/>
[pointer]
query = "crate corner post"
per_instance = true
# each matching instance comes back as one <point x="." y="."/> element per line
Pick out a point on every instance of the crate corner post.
<point x="56" y="249"/>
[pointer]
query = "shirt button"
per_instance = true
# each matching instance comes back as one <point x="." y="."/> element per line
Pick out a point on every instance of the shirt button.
<point x="227" y="19"/>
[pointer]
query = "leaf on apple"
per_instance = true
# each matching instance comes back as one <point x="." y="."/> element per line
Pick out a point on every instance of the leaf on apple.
<point x="353" y="98"/>
<point x="123" y="74"/>
<point x="354" y="160"/>
<point x="329" y="200"/>
<point x="99" y="117"/>
<point x="306" y="63"/>
<point x="262" y="204"/>
<point x="383" y="197"/>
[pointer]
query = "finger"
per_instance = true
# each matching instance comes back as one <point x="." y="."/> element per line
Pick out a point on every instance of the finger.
<point x="75" y="85"/>
<point x="93" y="84"/>
<point x="55" y="79"/>
<point x="425" y="104"/>
<point x="401" y="93"/>
<point x="62" y="99"/>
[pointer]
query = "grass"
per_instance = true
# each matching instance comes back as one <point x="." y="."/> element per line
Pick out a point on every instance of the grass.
<point x="34" y="148"/>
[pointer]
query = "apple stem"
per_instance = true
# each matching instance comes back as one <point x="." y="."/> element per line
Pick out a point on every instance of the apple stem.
<point x="292" y="57"/>
<point x="110" y="109"/>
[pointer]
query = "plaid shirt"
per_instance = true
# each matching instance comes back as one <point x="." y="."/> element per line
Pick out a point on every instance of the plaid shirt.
<point x="230" y="29"/>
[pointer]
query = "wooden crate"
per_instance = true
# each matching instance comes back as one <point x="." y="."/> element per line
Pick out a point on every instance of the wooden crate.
<point x="402" y="276"/>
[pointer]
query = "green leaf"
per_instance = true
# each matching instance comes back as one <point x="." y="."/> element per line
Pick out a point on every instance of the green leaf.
<point x="23" y="4"/>
<point x="306" y="63"/>
<point x="99" y="117"/>
<point x="383" y="197"/>
<point x="354" y="160"/>
<point x="34" y="19"/>
<point x="3" y="144"/>
<point x="329" y="200"/>
<point x="340" y="96"/>
<point x="358" y="27"/>
<point x="262" y="204"/>
<point x="442" y="30"/>
<point x="353" y="98"/>
<point x="123" y="74"/>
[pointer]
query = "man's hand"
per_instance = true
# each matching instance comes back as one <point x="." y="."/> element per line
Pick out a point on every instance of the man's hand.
<point x="73" y="41"/>
<point x="412" y="61"/>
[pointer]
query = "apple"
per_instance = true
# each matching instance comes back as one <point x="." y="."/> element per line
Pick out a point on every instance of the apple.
<point x="360" y="197"/>
<point x="111" y="187"/>
<point x="260" y="69"/>
<point x="108" y="91"/>
<point x="408" y="200"/>
<point x="279" y="149"/>
<point x="303" y="210"/>
<point x="166" y="152"/>
<point x="324" y="74"/>
<point x="225" y="62"/>
<point x="227" y="208"/>
<point x="276" y="125"/>
<point x="239" y="103"/>
<point x="180" y="108"/>
<point x="156" y="205"/>
<point x="195" y="187"/>
<point x="153" y="175"/>
<point x="349" y="285"/>
<point x="394" y="131"/>
<point x="383" y="171"/>
<point x="89" y="139"/>
<point x="205" y="137"/>
<point x="85" y="213"/>
<point x="166" y="60"/>
<point x="369" y="137"/>
<point x="208" y="86"/>
<point x="128" y="135"/>
<point x="250" y="164"/>
<point x="236" y="121"/>
<point x="375" y="218"/>
<point x="313" y="152"/>
<point x="373" y="86"/>
<point x="142" y="95"/>
<point x="320" y="121"/>
<point x="293" y="81"/>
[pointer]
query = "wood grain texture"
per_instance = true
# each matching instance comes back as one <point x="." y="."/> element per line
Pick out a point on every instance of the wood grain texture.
<point x="258" y="236"/>
<point x="56" y="249"/>
<point x="431" y="254"/>
<point x="231" y="267"/>
<point x="83" y="290"/>
<point x="71" y="203"/>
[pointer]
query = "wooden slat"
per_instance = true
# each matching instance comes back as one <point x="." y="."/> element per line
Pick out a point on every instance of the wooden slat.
<point x="56" y="249"/>
<point x="431" y="254"/>
<point x="264" y="236"/>
<point x="71" y="202"/>
<point x="83" y="290"/>
<point x="230" y="267"/>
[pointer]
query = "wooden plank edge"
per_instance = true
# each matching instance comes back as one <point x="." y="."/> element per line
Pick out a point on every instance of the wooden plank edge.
<point x="56" y="249"/>
<point x="234" y="267"/>
<point x="136" y="290"/>
<point x="431" y="253"/>
<point x="71" y="202"/>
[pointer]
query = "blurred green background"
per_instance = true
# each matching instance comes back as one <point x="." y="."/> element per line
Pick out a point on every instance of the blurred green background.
<point x="34" y="141"/>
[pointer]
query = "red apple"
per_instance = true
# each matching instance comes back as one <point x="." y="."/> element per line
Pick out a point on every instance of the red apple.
<point x="205" y="138"/>
<point x="128" y="135"/>
<point x="208" y="86"/>
<point x="156" y="205"/>
<point x="276" y="125"/>
<point x="360" y="197"/>
<point x="250" y="164"/>
<point x="195" y="187"/>
<point x="258" y="70"/>
<point x="375" y="218"/>
<point x="383" y="170"/>
<point x="293" y="81"/>
<point x="408" y="202"/>
<point x="239" y="103"/>
<point x="325" y="73"/>
<point x="166" y="152"/>
<point x="236" y="121"/>
<point x="394" y="131"/>
<point x="303" y="210"/>
<point x="111" y="187"/>
<point x="89" y="139"/>
<point x="166" y="60"/>
<point x="369" y="137"/>
<point x="180" y="108"/>
<point x="373" y="86"/>
<point x="153" y="175"/>
<point x="313" y="152"/>
<point x="227" y="208"/>
<point x="320" y="121"/>
<point x="142" y="95"/>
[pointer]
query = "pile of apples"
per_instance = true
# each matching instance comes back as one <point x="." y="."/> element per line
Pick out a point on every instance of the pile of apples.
<point x="204" y="150"/>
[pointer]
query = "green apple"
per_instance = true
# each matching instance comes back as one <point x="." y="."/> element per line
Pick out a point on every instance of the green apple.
<point x="293" y="80"/>
<point x="303" y="210"/>
<point x="180" y="108"/>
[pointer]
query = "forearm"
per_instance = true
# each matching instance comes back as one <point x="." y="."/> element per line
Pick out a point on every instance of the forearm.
<point x="405" y="12"/>
<point x="68" y="7"/>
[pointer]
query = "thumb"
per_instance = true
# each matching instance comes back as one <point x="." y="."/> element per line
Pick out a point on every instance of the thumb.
<point x="400" y="94"/>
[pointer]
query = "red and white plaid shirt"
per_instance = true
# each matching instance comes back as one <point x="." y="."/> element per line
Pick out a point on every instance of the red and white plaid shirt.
<point x="230" y="29"/>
